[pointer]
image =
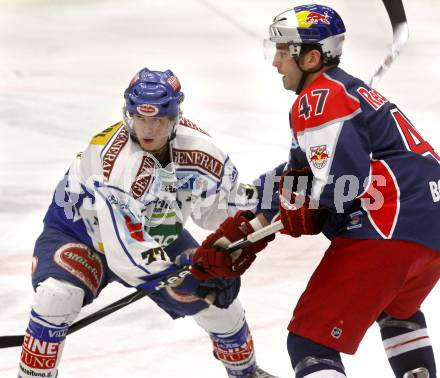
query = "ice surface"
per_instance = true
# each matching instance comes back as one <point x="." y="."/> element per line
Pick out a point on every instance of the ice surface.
<point x="63" y="67"/>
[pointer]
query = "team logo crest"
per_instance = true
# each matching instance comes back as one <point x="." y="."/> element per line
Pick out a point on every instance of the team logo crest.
<point x="174" y="82"/>
<point x="319" y="156"/>
<point x="148" y="110"/>
<point x="181" y="297"/>
<point x="80" y="261"/>
<point x="336" y="332"/>
<point x="307" y="19"/>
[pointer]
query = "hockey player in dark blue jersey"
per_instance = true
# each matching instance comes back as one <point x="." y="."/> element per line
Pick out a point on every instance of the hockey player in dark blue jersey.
<point x="360" y="173"/>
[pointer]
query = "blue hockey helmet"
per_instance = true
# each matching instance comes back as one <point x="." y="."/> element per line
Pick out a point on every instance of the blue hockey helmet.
<point x="311" y="24"/>
<point x="153" y="94"/>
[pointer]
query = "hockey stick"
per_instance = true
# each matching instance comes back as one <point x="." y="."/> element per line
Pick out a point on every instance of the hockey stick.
<point x="396" y="13"/>
<point x="249" y="239"/>
<point x="17" y="340"/>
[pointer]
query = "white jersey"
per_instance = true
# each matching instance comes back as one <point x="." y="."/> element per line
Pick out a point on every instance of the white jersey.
<point x="118" y="200"/>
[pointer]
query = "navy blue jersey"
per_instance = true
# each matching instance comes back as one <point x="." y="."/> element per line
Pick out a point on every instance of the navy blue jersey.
<point x="372" y="169"/>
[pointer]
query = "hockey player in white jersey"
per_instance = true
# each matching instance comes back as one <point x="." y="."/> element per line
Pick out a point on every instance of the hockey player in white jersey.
<point x="119" y="215"/>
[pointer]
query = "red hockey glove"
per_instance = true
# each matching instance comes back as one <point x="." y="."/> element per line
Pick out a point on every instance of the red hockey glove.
<point x="297" y="217"/>
<point x="211" y="258"/>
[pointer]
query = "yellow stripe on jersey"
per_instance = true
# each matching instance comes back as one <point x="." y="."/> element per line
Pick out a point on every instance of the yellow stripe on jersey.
<point x="104" y="136"/>
<point x="163" y="215"/>
<point x="101" y="247"/>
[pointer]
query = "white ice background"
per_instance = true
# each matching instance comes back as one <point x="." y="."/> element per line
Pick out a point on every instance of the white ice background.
<point x="63" y="67"/>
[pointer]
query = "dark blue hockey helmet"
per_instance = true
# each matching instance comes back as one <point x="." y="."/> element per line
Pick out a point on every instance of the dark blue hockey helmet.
<point x="311" y="24"/>
<point x="153" y="94"/>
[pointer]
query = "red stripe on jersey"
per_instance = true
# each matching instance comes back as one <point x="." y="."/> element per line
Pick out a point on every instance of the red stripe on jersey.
<point x="406" y="342"/>
<point x="382" y="199"/>
<point x="323" y="101"/>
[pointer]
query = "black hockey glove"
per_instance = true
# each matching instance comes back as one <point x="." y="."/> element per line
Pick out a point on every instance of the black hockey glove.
<point x="225" y="290"/>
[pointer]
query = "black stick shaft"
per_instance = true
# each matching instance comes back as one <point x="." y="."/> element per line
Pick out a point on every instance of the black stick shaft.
<point x="396" y="12"/>
<point x="249" y="239"/>
<point x="17" y="340"/>
<point x="397" y="16"/>
<point x="131" y="298"/>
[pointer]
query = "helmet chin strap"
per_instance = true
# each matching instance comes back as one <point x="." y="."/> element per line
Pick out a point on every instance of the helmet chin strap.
<point x="305" y="74"/>
<point x="174" y="125"/>
<point x="296" y="55"/>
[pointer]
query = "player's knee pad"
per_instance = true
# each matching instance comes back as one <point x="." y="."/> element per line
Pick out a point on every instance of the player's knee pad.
<point x="407" y="344"/>
<point x="216" y="320"/>
<point x="231" y="338"/>
<point x="310" y="359"/>
<point x="56" y="304"/>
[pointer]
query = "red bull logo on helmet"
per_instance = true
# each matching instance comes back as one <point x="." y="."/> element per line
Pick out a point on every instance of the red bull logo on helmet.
<point x="148" y="110"/>
<point x="306" y="19"/>
<point x="319" y="156"/>
<point x="174" y="82"/>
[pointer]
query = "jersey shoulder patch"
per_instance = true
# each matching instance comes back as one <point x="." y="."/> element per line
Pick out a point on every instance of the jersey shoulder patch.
<point x="187" y="123"/>
<point x="198" y="159"/>
<point x="104" y="136"/>
<point x="324" y="102"/>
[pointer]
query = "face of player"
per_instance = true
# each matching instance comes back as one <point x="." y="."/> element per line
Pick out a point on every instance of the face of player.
<point x="287" y="67"/>
<point x="152" y="132"/>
